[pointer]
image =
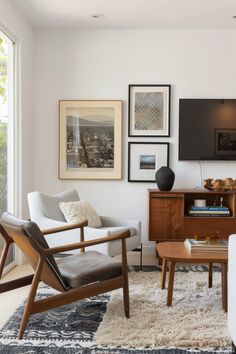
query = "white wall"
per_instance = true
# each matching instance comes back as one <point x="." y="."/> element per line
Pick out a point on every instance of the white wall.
<point x="13" y="22"/>
<point x="88" y="64"/>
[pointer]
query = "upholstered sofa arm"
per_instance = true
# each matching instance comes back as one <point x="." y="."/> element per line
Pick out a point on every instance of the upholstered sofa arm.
<point x="65" y="248"/>
<point x="108" y="221"/>
<point x="112" y="248"/>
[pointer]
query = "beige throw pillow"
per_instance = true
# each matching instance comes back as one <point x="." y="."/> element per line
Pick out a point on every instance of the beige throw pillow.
<point x="75" y="212"/>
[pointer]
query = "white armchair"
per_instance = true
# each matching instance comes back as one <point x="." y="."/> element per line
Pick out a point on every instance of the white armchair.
<point x="232" y="291"/>
<point x="45" y="211"/>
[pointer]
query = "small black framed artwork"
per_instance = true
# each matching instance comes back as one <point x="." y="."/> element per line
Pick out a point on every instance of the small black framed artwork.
<point x="149" y="110"/>
<point x="144" y="159"/>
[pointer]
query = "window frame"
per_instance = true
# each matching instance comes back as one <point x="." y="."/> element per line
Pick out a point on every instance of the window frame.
<point x="14" y="190"/>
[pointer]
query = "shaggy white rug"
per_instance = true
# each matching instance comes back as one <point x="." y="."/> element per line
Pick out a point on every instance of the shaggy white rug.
<point x="196" y="319"/>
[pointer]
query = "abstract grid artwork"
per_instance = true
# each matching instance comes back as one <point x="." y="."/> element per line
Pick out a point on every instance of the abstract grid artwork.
<point x="149" y="110"/>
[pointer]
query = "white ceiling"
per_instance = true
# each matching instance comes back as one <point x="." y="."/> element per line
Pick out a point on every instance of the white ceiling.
<point x="129" y="14"/>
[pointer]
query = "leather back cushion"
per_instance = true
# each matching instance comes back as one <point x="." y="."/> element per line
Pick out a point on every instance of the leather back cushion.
<point x="31" y="230"/>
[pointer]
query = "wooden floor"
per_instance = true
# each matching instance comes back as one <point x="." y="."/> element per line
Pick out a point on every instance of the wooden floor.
<point x="11" y="300"/>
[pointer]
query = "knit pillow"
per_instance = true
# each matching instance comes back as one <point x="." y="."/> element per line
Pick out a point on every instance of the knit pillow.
<point x="80" y="211"/>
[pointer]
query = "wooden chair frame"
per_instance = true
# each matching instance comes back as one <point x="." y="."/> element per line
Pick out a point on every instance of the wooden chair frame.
<point x="35" y="306"/>
<point x="16" y="283"/>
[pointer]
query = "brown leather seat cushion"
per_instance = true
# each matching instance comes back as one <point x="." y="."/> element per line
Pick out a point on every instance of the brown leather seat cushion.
<point x="88" y="267"/>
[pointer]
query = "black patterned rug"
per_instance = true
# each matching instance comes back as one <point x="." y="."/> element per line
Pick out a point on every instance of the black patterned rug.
<point x="71" y="328"/>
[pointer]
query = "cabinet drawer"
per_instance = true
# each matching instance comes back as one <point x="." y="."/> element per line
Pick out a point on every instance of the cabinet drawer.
<point x="165" y="217"/>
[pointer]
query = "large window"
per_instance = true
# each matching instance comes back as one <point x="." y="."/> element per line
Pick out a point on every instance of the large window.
<point x="7" y="189"/>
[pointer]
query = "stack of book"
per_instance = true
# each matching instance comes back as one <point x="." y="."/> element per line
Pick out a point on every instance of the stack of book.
<point x="220" y="246"/>
<point x="211" y="210"/>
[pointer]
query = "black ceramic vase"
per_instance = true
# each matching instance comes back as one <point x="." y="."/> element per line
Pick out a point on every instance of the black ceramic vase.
<point x="165" y="178"/>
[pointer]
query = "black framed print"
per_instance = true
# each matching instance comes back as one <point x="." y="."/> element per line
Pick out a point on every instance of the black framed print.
<point x="149" y="110"/>
<point x="144" y="159"/>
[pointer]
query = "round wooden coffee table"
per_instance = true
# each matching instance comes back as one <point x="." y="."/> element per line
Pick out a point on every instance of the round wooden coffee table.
<point x="178" y="252"/>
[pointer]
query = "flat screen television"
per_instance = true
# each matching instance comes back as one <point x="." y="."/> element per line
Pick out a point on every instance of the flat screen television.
<point x="207" y="129"/>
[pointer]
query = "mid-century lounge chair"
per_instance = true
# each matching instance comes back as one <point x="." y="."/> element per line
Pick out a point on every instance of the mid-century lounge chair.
<point x="76" y="277"/>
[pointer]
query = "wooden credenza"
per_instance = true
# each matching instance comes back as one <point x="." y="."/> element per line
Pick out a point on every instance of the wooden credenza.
<point x="169" y="220"/>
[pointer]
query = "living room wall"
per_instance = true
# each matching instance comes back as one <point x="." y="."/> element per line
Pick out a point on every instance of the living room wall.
<point x="100" y="64"/>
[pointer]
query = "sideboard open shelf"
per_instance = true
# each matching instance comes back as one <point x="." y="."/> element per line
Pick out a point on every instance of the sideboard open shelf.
<point x="169" y="220"/>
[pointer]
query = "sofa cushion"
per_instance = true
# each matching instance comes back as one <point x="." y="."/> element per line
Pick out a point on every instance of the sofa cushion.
<point x="49" y="204"/>
<point x="88" y="267"/>
<point x="76" y="212"/>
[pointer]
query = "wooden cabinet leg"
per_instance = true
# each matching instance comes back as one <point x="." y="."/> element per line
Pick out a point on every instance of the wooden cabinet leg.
<point x="163" y="274"/>
<point x="210" y="275"/>
<point x="224" y="286"/>
<point x="157" y="256"/>
<point x="171" y="283"/>
<point x="156" y="250"/>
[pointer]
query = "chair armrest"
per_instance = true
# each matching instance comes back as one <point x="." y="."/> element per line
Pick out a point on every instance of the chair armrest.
<point x="65" y="228"/>
<point x="116" y="236"/>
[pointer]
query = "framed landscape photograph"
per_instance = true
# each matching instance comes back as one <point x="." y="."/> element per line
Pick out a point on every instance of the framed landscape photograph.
<point x="144" y="159"/>
<point x="90" y="139"/>
<point x="149" y="110"/>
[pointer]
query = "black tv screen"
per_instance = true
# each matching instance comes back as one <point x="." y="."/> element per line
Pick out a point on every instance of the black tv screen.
<point x="207" y="129"/>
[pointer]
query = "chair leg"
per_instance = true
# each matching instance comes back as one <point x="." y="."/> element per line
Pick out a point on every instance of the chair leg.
<point x="4" y="256"/>
<point x="125" y="275"/>
<point x="30" y="301"/>
<point x="140" y="250"/>
<point x="141" y="257"/>
<point x="126" y="300"/>
<point x="12" y="284"/>
<point x="210" y="275"/>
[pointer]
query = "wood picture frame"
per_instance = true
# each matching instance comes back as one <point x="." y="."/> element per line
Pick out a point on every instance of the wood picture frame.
<point x="90" y="139"/>
<point x="149" y="110"/>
